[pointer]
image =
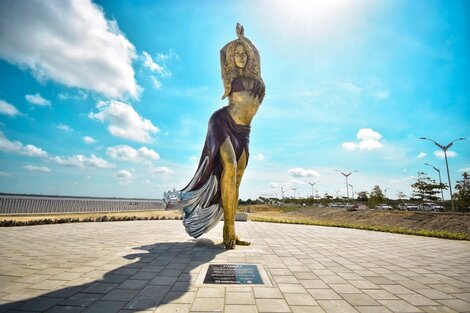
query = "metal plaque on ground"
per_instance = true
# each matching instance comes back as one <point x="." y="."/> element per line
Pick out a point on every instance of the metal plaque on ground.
<point x="234" y="275"/>
<point x="238" y="274"/>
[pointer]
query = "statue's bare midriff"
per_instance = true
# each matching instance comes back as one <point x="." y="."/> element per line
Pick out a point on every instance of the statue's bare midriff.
<point x="243" y="106"/>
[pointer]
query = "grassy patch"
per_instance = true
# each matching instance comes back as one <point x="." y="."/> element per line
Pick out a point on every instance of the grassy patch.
<point x="287" y="209"/>
<point x="397" y="230"/>
<point x="60" y="219"/>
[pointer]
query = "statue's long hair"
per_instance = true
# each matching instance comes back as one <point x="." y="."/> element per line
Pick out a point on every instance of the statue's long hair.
<point x="230" y="71"/>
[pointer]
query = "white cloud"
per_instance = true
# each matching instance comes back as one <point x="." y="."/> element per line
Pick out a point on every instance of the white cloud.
<point x="259" y="157"/>
<point x="5" y="174"/>
<point x="81" y="161"/>
<point x="127" y="153"/>
<point x="161" y="170"/>
<point x="89" y="140"/>
<point x="381" y="95"/>
<point x="80" y="95"/>
<point x="296" y="183"/>
<point x="125" y="177"/>
<point x="8" y="109"/>
<point x="151" y="65"/>
<point x="349" y="146"/>
<point x="70" y="42"/>
<point x="64" y="127"/>
<point x="34" y="168"/>
<point x="163" y="57"/>
<point x="369" y="139"/>
<point x="156" y="83"/>
<point x="273" y="185"/>
<point x="33" y="151"/>
<point x="36" y="99"/>
<point x="465" y="169"/>
<point x="421" y="155"/>
<point x="17" y="147"/>
<point x="124" y="121"/>
<point x="350" y="87"/>
<point x="301" y="172"/>
<point x="440" y="154"/>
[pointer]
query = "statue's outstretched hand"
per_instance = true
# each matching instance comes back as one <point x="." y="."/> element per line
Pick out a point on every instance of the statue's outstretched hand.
<point x="240" y="31"/>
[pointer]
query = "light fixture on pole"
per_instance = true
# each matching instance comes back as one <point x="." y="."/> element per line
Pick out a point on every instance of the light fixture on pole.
<point x="294" y="191"/>
<point x="347" y="185"/>
<point x="385" y="193"/>
<point x="312" y="184"/>
<point x="440" y="181"/>
<point x="445" y="148"/>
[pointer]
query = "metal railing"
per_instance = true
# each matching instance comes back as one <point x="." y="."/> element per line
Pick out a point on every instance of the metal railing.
<point x="12" y="204"/>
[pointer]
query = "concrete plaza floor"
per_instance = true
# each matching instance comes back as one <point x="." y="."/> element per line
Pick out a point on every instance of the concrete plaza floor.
<point x="152" y="266"/>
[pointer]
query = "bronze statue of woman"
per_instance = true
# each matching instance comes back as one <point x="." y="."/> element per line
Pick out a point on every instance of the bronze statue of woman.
<point x="213" y="190"/>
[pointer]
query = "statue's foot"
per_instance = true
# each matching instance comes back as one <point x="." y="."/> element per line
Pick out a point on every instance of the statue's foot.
<point x="240" y="242"/>
<point x="230" y="244"/>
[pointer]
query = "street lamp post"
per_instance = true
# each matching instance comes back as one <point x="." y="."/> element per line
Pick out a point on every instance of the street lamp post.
<point x="294" y="191"/>
<point x="385" y="194"/>
<point x="352" y="191"/>
<point x="440" y="181"/>
<point x="347" y="185"/>
<point x="282" y="193"/>
<point x="445" y="148"/>
<point x="312" y="184"/>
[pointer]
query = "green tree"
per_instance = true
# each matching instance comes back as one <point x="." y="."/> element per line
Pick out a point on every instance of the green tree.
<point x="401" y="196"/>
<point x="463" y="192"/>
<point x="362" y="196"/>
<point x="426" y="189"/>
<point x="376" y="196"/>
<point x="325" y="201"/>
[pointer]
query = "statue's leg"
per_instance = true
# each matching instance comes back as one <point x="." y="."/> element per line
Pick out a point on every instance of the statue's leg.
<point x="241" y="166"/>
<point x="228" y="187"/>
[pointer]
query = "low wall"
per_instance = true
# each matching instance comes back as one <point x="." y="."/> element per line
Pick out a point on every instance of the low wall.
<point x="41" y="205"/>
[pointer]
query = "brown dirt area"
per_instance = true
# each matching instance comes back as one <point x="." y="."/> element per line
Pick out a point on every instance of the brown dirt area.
<point x="444" y="221"/>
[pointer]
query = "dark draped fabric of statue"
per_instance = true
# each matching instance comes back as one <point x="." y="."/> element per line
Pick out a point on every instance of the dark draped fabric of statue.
<point x="201" y="198"/>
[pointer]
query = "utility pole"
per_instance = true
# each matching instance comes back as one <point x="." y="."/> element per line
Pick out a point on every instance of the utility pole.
<point x="294" y="191"/>
<point x="445" y="148"/>
<point x="352" y="191"/>
<point x="440" y="181"/>
<point x="312" y="184"/>
<point x="347" y="184"/>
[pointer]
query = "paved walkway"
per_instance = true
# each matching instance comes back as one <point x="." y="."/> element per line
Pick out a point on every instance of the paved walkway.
<point x="152" y="266"/>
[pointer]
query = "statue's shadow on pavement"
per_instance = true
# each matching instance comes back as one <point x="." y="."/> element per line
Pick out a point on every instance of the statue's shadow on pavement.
<point x="159" y="276"/>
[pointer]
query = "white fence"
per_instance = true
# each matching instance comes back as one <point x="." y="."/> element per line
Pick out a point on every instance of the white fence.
<point x="11" y="204"/>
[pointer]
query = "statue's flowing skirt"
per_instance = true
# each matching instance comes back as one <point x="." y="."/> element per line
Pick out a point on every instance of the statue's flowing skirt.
<point x="201" y="198"/>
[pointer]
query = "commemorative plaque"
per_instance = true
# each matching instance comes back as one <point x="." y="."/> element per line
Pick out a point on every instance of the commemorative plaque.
<point x="237" y="274"/>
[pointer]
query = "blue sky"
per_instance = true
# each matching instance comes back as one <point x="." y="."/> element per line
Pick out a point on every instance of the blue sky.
<point x="112" y="98"/>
